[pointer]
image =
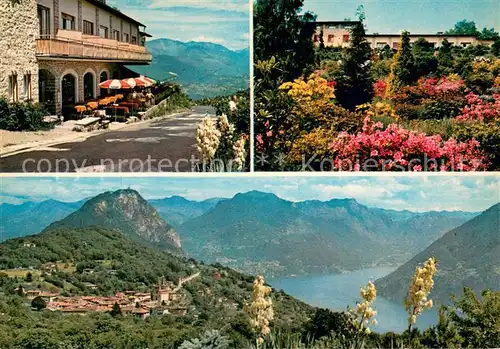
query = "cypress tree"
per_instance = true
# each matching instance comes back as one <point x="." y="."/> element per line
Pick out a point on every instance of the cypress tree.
<point x="402" y="66"/>
<point x="355" y="85"/>
<point x="445" y="58"/>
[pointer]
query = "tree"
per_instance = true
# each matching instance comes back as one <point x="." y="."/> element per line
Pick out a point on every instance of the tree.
<point x="425" y="61"/>
<point x="38" y="303"/>
<point x="463" y="27"/>
<point x="402" y="65"/>
<point x="116" y="310"/>
<point x="29" y="277"/>
<point x="354" y="87"/>
<point x="476" y="319"/>
<point x="488" y="34"/>
<point x="325" y="321"/>
<point x="445" y="58"/>
<point x="321" y="40"/>
<point x="280" y="31"/>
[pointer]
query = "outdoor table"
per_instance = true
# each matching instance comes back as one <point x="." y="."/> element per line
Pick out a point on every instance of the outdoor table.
<point x="92" y="105"/>
<point x="80" y="109"/>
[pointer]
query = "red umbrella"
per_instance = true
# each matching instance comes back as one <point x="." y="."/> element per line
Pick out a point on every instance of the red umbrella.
<point x="115" y="84"/>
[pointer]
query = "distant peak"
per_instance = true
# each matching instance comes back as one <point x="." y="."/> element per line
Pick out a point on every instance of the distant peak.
<point x="256" y="194"/>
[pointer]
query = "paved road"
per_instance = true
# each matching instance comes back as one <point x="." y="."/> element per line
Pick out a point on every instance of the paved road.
<point x="164" y="145"/>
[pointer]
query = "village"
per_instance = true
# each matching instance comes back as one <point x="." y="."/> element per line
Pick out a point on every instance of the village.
<point x="164" y="298"/>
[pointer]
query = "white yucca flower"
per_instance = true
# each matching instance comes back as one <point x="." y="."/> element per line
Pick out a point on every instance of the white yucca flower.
<point x="239" y="153"/>
<point x="207" y="138"/>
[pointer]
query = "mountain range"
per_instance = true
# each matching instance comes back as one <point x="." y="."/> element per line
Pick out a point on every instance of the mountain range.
<point x="260" y="232"/>
<point x="467" y="255"/>
<point x="204" y="69"/>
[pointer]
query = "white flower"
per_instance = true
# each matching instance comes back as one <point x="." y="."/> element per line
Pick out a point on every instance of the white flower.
<point x="207" y="138"/>
<point x="239" y="153"/>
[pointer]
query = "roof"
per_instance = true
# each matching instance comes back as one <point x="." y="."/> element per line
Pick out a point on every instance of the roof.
<point x="145" y="34"/>
<point x="422" y="35"/>
<point x="114" y="11"/>
<point x="337" y="22"/>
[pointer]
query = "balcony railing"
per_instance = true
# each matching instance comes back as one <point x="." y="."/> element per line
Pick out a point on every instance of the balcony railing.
<point x="91" y="48"/>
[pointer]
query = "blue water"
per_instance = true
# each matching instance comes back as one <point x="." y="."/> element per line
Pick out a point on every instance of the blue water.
<point x="337" y="291"/>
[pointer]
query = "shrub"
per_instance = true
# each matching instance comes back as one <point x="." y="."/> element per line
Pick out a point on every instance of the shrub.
<point x="488" y="136"/>
<point x="481" y="108"/>
<point x="396" y="149"/>
<point x="22" y="117"/>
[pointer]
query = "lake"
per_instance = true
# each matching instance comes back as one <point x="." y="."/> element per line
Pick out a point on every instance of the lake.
<point x="336" y="291"/>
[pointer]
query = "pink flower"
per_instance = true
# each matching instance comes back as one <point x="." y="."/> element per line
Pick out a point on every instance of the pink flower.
<point x="374" y="153"/>
<point x="417" y="168"/>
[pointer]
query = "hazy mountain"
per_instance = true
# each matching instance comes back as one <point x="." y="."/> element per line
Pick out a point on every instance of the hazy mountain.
<point x="468" y="255"/>
<point x="177" y="210"/>
<point x="259" y="232"/>
<point x="32" y="217"/>
<point x="203" y="69"/>
<point x="127" y="212"/>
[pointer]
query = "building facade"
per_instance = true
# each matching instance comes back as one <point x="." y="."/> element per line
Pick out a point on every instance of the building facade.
<point x="58" y="51"/>
<point x="337" y="34"/>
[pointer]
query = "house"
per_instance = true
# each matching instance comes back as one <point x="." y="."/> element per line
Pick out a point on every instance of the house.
<point x="56" y="52"/>
<point x="337" y="34"/>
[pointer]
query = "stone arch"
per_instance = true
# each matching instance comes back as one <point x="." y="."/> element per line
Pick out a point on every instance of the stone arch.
<point x="89" y="84"/>
<point x="103" y="76"/>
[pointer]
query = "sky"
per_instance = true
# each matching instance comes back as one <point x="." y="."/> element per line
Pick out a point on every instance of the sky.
<point x="416" y="16"/>
<point x="415" y="193"/>
<point x="224" y="22"/>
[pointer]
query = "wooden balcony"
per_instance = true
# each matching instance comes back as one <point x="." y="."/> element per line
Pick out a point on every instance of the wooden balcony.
<point x="75" y="45"/>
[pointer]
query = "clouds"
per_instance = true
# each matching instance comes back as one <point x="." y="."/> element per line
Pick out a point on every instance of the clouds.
<point x="222" y="22"/>
<point x="416" y="193"/>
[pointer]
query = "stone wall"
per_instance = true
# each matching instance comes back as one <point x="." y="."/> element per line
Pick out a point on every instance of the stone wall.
<point x="19" y="28"/>
<point x="59" y="68"/>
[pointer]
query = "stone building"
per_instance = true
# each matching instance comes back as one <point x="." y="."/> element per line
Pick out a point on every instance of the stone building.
<point x="337" y="34"/>
<point x="56" y="52"/>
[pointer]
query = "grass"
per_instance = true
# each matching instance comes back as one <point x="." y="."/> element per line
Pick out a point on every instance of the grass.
<point x="20" y="272"/>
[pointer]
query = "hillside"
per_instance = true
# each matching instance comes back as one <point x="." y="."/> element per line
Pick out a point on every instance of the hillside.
<point x="127" y="212"/>
<point x="259" y="232"/>
<point x="31" y="217"/>
<point x="115" y="263"/>
<point x="468" y="255"/>
<point x="203" y="69"/>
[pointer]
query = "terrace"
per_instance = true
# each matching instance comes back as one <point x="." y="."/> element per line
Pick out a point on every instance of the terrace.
<point x="74" y="44"/>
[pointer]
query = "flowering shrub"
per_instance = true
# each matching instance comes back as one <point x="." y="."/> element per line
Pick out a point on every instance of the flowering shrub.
<point x="312" y="97"/>
<point x="260" y="310"/>
<point x="396" y="149"/>
<point x="480" y="108"/>
<point x="363" y="312"/>
<point x="207" y="138"/>
<point x="380" y="88"/>
<point x="217" y="141"/>
<point x="420" y="287"/>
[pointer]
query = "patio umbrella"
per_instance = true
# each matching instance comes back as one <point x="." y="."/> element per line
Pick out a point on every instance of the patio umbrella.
<point x="131" y="82"/>
<point x="115" y="84"/>
<point x="145" y="78"/>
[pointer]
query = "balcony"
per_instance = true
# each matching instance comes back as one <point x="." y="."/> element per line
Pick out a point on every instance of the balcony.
<point x="75" y="45"/>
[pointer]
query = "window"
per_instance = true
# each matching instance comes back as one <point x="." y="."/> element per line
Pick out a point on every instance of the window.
<point x="316" y="38"/>
<point x="395" y="45"/>
<point x="381" y="45"/>
<point x="116" y="35"/>
<point x="125" y="37"/>
<point x="88" y="28"/>
<point x="103" y="32"/>
<point x="27" y="86"/>
<point x="134" y="40"/>
<point x="43" y="20"/>
<point x="330" y="38"/>
<point x="465" y="44"/>
<point x="68" y="22"/>
<point x="13" y="91"/>
<point x="345" y="38"/>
